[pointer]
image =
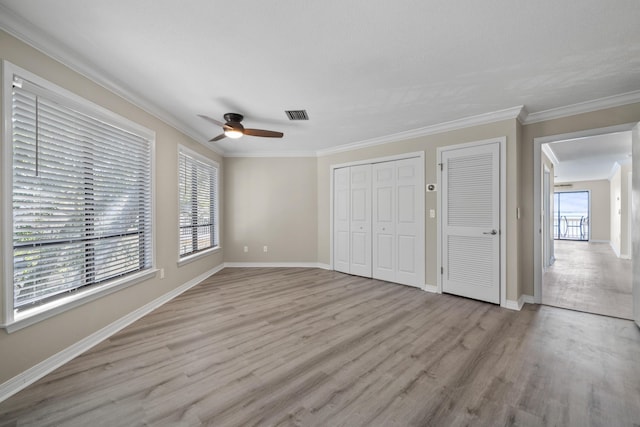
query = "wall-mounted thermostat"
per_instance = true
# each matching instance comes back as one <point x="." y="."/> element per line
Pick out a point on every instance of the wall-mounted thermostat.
<point x="432" y="187"/>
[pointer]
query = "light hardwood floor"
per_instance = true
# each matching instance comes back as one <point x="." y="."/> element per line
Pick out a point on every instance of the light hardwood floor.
<point x="310" y="347"/>
<point x="589" y="277"/>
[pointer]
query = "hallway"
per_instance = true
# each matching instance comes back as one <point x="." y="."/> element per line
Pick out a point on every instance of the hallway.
<point x="588" y="277"/>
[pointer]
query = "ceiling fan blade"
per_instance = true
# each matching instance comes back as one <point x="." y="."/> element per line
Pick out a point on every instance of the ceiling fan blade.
<point x="215" y="122"/>
<point x="218" y="138"/>
<point x="263" y="133"/>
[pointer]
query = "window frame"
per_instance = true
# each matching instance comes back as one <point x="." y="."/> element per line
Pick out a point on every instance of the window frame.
<point x="193" y="256"/>
<point x="10" y="319"/>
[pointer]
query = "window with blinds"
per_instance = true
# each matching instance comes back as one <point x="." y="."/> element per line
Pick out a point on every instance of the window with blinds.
<point x="198" y="187"/>
<point x="81" y="199"/>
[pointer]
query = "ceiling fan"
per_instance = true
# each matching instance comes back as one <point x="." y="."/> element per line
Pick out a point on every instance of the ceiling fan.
<point x="234" y="129"/>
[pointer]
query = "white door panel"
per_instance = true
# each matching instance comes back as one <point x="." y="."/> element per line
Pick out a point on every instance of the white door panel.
<point x="471" y="222"/>
<point x="341" y="219"/>
<point x="360" y="225"/>
<point x="384" y="265"/>
<point x="399" y="248"/>
<point x="409" y="222"/>
<point x="378" y="211"/>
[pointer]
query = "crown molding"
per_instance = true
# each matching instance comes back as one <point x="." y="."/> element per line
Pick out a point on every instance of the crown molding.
<point x="583" y="107"/>
<point x="29" y="34"/>
<point x="272" y="154"/>
<point x="480" y="119"/>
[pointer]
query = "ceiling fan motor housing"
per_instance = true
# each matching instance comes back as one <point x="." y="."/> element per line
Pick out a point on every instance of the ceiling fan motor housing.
<point x="233" y="117"/>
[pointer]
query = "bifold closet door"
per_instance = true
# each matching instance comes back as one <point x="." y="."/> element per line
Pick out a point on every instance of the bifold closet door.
<point x="360" y="224"/>
<point x="341" y="219"/>
<point x="398" y="246"/>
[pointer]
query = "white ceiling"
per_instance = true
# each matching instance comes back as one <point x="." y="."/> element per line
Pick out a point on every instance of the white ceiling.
<point x="590" y="158"/>
<point x="362" y="69"/>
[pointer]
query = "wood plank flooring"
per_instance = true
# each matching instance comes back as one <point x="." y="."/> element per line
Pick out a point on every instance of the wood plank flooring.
<point x="309" y="347"/>
<point x="589" y="277"/>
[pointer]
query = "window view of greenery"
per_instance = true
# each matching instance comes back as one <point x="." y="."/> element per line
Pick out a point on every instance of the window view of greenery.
<point x="198" y="199"/>
<point x="81" y="200"/>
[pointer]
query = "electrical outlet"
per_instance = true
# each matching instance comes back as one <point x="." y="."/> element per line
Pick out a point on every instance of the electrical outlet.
<point x="246" y="248"/>
<point x="265" y="249"/>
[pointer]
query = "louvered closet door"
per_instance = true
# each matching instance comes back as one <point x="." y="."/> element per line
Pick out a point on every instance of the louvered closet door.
<point x="470" y="211"/>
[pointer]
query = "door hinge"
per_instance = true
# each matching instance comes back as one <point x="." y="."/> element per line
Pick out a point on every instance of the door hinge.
<point x="441" y="270"/>
<point x="441" y="166"/>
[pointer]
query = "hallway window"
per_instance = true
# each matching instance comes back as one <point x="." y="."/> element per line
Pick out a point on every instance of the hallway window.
<point x="571" y="215"/>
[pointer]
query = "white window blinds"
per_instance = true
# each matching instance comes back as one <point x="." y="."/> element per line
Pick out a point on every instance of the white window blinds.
<point x="198" y="203"/>
<point x="81" y="198"/>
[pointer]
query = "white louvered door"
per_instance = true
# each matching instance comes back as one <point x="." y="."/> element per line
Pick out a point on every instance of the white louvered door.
<point x="471" y="222"/>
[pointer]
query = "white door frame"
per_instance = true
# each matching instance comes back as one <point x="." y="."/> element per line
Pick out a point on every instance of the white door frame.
<point x="537" y="194"/>
<point x="503" y="210"/>
<point x="422" y="218"/>
<point x="546" y="215"/>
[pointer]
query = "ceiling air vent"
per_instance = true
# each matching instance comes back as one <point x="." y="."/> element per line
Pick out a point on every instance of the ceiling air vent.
<point x="297" y="114"/>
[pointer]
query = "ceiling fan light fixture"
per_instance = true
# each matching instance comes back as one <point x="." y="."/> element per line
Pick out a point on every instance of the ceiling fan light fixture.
<point x="233" y="133"/>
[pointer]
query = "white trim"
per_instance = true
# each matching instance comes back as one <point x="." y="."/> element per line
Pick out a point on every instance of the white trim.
<point x="392" y="158"/>
<point x="277" y="265"/>
<point x="537" y="192"/>
<point x="584" y="107"/>
<point x="31" y="35"/>
<point x="615" y="251"/>
<point x="213" y="163"/>
<point x="273" y="154"/>
<point x="512" y="305"/>
<point x="480" y="119"/>
<point x="546" y="149"/>
<point x="517" y="305"/>
<point x="421" y="178"/>
<point x="629" y="195"/>
<point x="614" y="169"/>
<point x="33" y="374"/>
<point x="75" y="299"/>
<point x="196" y="256"/>
<point x="12" y="73"/>
<point x="503" y="210"/>
<point x="431" y="288"/>
<point x="5" y="198"/>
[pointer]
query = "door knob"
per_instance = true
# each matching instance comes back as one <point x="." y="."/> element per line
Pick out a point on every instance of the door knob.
<point x="492" y="232"/>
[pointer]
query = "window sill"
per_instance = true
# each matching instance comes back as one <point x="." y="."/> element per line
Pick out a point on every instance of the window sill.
<point x="45" y="311"/>
<point x="190" y="258"/>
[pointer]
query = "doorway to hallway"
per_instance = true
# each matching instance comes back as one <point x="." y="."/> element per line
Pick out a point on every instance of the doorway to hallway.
<point x="589" y="277"/>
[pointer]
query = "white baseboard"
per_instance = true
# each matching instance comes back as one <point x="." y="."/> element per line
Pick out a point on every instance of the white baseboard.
<point x="278" y="265"/>
<point x="615" y="251"/>
<point x="517" y="305"/>
<point x="431" y="288"/>
<point x="33" y="374"/>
